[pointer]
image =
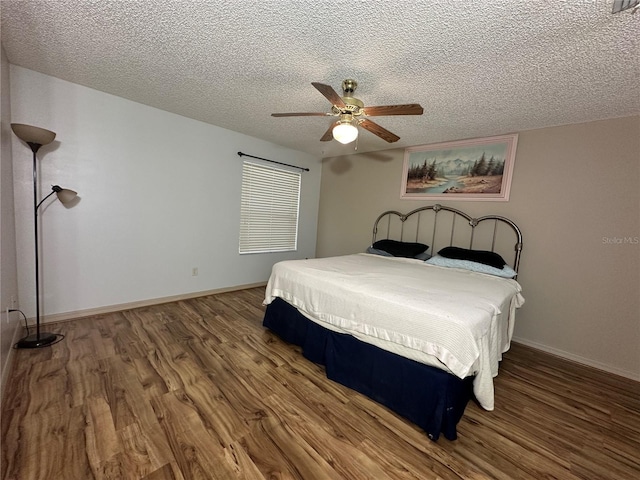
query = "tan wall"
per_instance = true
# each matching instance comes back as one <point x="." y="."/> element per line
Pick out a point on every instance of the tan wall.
<point x="575" y="194"/>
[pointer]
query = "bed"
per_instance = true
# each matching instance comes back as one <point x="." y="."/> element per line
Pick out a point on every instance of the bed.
<point x="418" y="322"/>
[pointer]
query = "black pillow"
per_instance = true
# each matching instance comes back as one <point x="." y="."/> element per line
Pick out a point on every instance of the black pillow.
<point x="401" y="249"/>
<point x="479" y="256"/>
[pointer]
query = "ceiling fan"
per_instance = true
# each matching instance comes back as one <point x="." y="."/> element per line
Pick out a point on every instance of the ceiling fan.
<point x="352" y="113"/>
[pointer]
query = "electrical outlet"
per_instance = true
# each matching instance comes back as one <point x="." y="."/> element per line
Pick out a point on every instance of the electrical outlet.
<point x="194" y="272"/>
<point x="7" y="317"/>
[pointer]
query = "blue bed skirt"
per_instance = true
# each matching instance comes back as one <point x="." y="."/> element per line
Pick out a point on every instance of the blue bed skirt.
<point x="431" y="398"/>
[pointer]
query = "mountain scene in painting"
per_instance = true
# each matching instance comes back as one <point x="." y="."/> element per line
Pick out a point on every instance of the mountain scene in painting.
<point x="463" y="170"/>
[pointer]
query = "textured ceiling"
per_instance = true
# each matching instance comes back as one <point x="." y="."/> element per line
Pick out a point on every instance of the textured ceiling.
<point x="478" y="68"/>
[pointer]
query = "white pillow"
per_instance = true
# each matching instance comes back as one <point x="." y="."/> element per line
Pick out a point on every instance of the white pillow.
<point x="440" y="261"/>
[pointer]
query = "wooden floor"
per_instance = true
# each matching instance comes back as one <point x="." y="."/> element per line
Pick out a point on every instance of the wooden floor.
<point x="198" y="389"/>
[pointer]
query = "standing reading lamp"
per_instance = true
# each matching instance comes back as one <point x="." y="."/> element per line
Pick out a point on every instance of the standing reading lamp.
<point x="35" y="137"/>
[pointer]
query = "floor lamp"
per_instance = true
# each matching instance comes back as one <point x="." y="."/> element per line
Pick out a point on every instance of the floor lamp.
<point x="35" y="137"/>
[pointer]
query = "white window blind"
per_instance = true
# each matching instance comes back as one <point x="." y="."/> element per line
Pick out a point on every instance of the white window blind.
<point x="269" y="209"/>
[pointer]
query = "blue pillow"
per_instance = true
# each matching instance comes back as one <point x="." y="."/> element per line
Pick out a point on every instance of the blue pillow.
<point x="506" y="271"/>
<point x="377" y="251"/>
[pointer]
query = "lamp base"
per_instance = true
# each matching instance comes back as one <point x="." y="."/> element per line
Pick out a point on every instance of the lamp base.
<point x="36" y="341"/>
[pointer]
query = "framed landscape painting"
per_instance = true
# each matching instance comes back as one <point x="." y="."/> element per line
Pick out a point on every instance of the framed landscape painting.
<point x="475" y="169"/>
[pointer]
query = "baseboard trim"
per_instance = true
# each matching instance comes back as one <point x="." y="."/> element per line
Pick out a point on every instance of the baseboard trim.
<point x="66" y="316"/>
<point x="579" y="359"/>
<point x="62" y="317"/>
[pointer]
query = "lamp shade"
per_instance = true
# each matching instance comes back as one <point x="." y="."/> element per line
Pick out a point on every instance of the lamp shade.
<point x="345" y="132"/>
<point x="64" y="194"/>
<point x="31" y="134"/>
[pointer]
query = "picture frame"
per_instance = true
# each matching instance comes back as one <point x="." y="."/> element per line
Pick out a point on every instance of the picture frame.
<point x="478" y="169"/>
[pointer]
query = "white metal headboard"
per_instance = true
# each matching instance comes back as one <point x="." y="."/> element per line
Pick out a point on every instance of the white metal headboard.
<point x="428" y="225"/>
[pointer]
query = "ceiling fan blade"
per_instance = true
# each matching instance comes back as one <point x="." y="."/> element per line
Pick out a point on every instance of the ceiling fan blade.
<point x="408" y="109"/>
<point x="301" y="114"/>
<point x="330" y="94"/>
<point x="376" y="129"/>
<point x="328" y="135"/>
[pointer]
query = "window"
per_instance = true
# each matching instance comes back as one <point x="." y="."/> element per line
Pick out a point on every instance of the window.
<point x="269" y="209"/>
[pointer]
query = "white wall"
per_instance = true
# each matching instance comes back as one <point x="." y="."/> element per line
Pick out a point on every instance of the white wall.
<point x="575" y="189"/>
<point x="159" y="195"/>
<point x="8" y="269"/>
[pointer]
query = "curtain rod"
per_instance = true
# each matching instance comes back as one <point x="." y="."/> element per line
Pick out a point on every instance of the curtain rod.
<point x="240" y="154"/>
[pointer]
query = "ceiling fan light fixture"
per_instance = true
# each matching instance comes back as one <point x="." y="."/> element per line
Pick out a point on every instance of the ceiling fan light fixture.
<point x="353" y="113"/>
<point x="345" y="132"/>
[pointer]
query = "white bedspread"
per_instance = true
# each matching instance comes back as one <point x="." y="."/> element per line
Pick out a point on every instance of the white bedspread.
<point x="461" y="318"/>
